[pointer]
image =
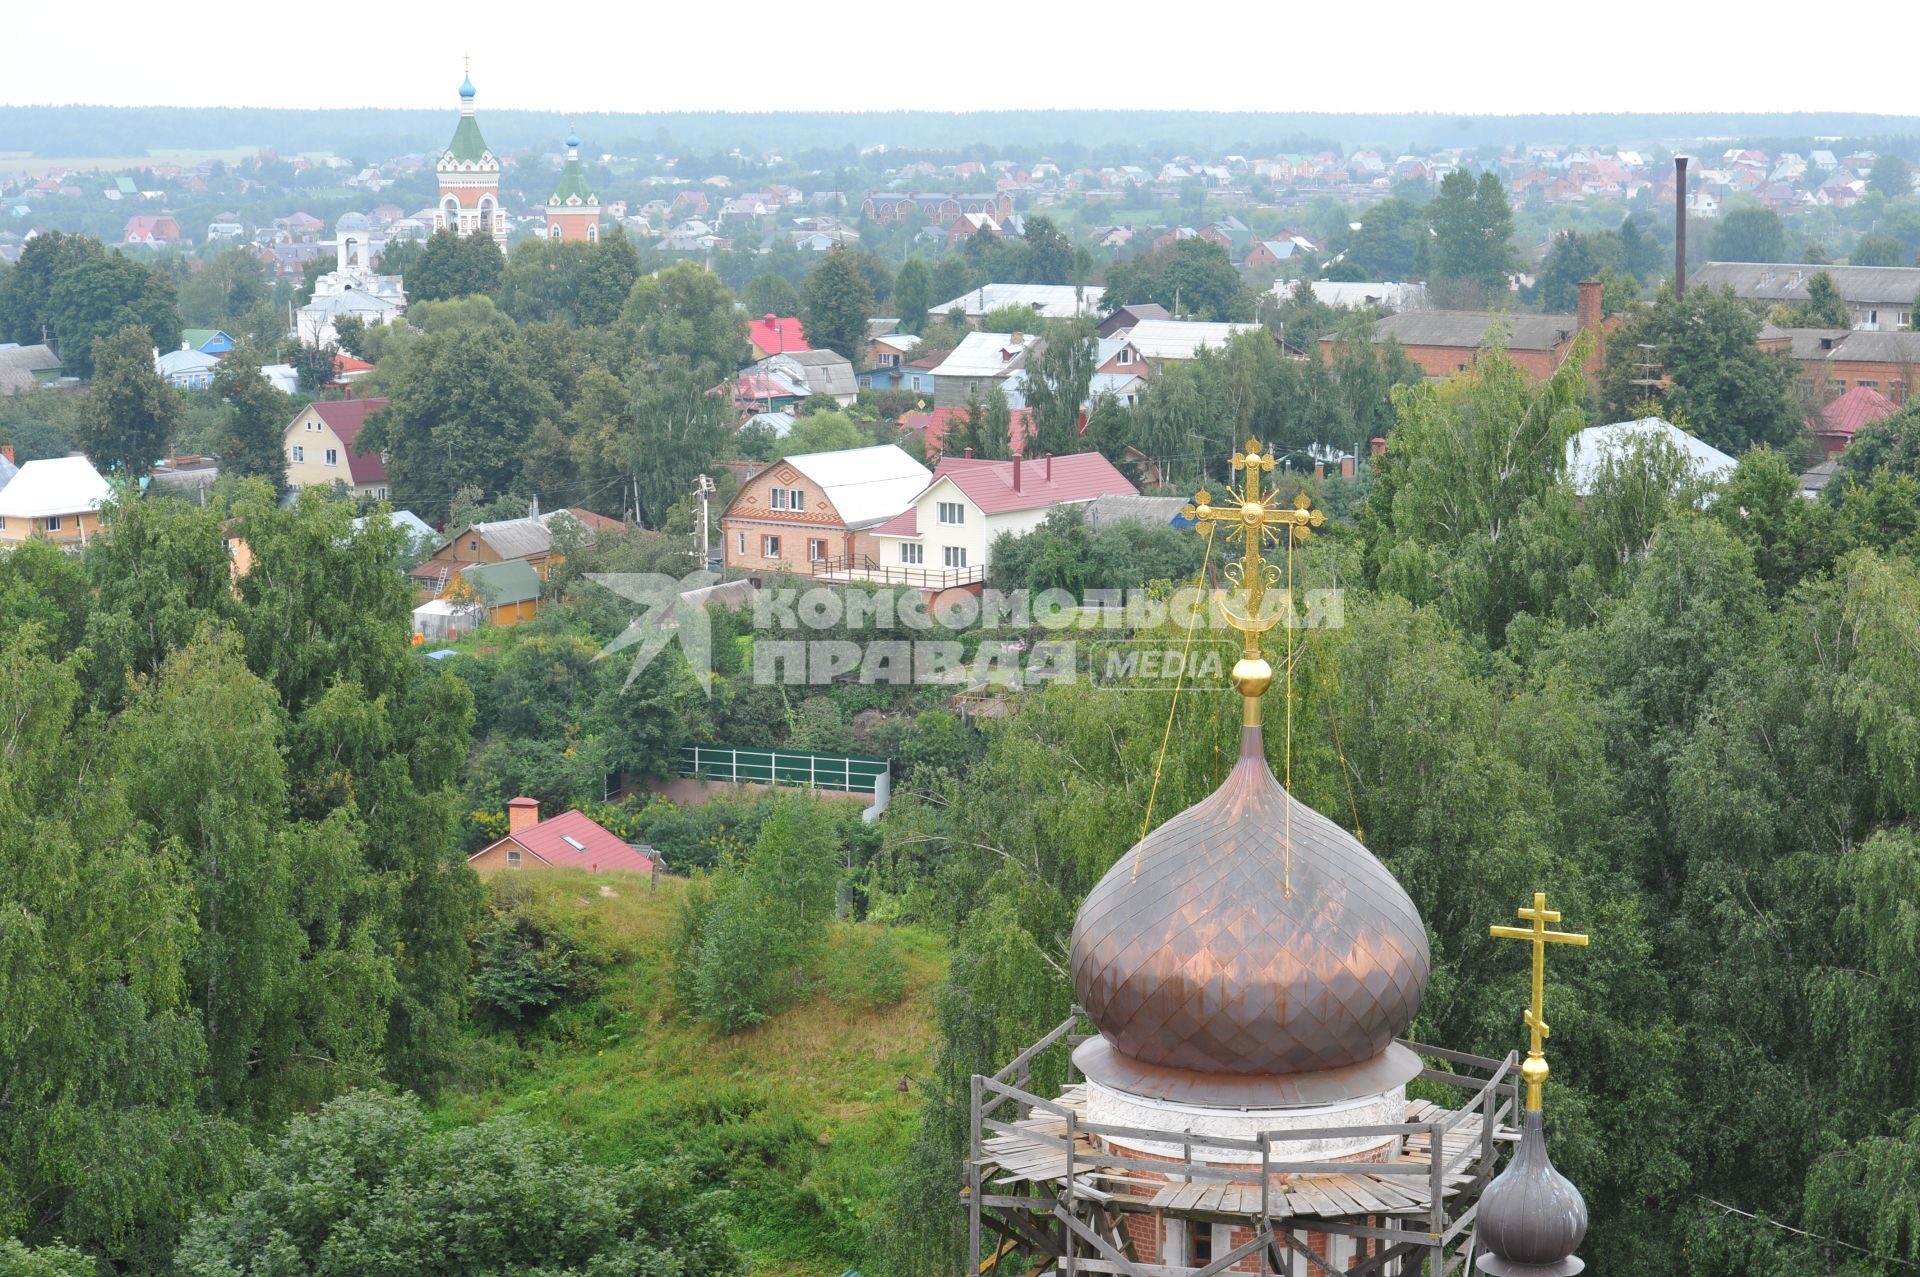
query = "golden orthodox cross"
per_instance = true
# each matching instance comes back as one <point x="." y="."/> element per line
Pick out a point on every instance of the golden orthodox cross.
<point x="1535" y="1069"/>
<point x="1254" y="520"/>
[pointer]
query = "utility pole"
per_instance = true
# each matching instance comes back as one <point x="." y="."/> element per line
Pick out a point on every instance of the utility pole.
<point x="703" y="488"/>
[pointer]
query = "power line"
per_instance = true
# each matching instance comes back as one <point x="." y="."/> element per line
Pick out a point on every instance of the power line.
<point x="1801" y="1232"/>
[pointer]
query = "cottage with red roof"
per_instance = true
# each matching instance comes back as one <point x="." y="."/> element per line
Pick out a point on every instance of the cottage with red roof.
<point x="322" y="448"/>
<point x="571" y="840"/>
<point x="770" y="335"/>
<point x="1840" y="420"/>
<point x="152" y="230"/>
<point x="948" y="531"/>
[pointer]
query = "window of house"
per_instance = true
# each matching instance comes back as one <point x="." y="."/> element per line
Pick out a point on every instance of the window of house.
<point x="740" y="543"/>
<point x="912" y="552"/>
<point x="299" y="453"/>
<point x="1897" y="391"/>
<point x="779" y="498"/>
<point x="513" y="858"/>
<point x="333" y="456"/>
<point x="955" y="556"/>
<point x="53" y="522"/>
<point x="796" y="499"/>
<point x="1868" y="385"/>
<point x="1906" y="317"/>
<point x="952" y="512"/>
<point x="473" y="545"/>
<point x="1199" y="1244"/>
<point x="816" y="551"/>
<point x="1126" y="355"/>
<point x="769" y="547"/>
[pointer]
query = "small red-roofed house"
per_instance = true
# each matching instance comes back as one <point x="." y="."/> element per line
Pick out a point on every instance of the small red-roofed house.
<point x="770" y="335"/>
<point x="152" y="229"/>
<point x="933" y="427"/>
<point x="1841" y="419"/>
<point x="571" y="840"/>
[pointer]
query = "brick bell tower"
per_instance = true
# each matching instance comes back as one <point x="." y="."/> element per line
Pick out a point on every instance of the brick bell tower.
<point x="469" y="179"/>
<point x="573" y="211"/>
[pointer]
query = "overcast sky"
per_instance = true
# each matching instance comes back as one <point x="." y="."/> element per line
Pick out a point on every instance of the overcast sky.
<point x="1489" y="56"/>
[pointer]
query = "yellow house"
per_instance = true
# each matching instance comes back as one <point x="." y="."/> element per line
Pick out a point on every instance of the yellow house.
<point x="58" y="498"/>
<point x="322" y="446"/>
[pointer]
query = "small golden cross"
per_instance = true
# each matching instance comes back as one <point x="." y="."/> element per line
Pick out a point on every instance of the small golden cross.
<point x="1535" y="1069"/>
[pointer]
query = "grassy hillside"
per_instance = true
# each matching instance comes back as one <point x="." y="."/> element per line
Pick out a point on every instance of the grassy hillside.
<point x="794" y="1121"/>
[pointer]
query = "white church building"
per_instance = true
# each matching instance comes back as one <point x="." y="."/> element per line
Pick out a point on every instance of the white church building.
<point x="351" y="288"/>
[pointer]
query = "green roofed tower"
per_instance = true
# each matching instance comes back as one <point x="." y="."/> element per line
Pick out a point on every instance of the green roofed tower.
<point x="573" y="211"/>
<point x="469" y="179"/>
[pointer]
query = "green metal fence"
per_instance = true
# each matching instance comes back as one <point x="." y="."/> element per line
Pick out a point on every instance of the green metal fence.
<point x="785" y="767"/>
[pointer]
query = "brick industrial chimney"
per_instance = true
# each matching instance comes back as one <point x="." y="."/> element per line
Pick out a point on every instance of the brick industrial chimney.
<point x="1679" y="226"/>
<point x="1587" y="316"/>
<point x="522" y="814"/>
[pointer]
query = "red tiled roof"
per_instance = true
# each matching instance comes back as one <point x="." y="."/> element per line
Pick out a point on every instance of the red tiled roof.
<point x="935" y="425"/>
<point x="596" y="522"/>
<point x="989" y="485"/>
<point x="777" y="336"/>
<point x="599" y="850"/>
<point x="1861" y="406"/>
<point x="348" y="363"/>
<point x="345" y="417"/>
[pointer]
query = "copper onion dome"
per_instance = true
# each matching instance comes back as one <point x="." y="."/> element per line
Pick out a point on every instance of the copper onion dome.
<point x="1226" y="955"/>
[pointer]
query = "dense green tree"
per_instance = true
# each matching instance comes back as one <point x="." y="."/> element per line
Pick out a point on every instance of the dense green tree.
<point x="1049" y="255"/>
<point x="366" y="1185"/>
<point x="586" y="284"/>
<point x="26" y="292"/>
<point x="1572" y="258"/>
<point x="314" y="365"/>
<point x="1390" y="244"/>
<point x="103" y="1140"/>
<point x="1472" y="233"/>
<point x="1879" y="250"/>
<point x="1748" y="233"/>
<point x="836" y="304"/>
<point x="1726" y="388"/>
<point x="130" y="410"/>
<point x="821" y="432"/>
<point x="1193" y="278"/>
<point x="1890" y="176"/>
<point x="221" y="293"/>
<point x="257" y="417"/>
<point x="455" y="398"/>
<point x="1468" y="478"/>
<point x="1057" y="382"/>
<point x="770" y="294"/>
<point x="1640" y="254"/>
<point x="455" y="265"/>
<point x="104" y="295"/>
<point x="912" y="294"/>
<point x="685" y="312"/>
<point x="1824" y="307"/>
<point x="981" y="430"/>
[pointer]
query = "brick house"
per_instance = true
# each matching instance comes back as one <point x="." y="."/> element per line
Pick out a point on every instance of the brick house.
<point x="802" y="512"/>
<point x="1445" y="342"/>
<point x="151" y="230"/>
<point x="571" y="840"/>
<point x="1836" y="360"/>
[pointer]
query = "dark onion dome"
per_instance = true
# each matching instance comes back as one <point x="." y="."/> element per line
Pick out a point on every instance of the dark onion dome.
<point x="1531" y="1217"/>
<point x="1206" y="963"/>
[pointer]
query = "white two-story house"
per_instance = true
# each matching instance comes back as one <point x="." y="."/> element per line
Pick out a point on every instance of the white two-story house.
<point x="944" y="537"/>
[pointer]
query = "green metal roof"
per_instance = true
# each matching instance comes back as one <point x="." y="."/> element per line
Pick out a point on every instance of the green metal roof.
<point x="497" y="584"/>
<point x="573" y="184"/>
<point x="468" y="146"/>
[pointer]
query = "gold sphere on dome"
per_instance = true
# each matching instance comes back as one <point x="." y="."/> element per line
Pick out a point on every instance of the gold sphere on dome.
<point x="1252" y="675"/>
<point x="1533" y="1070"/>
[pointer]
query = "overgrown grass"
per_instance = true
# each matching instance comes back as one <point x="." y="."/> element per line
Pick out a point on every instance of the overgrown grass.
<point x="795" y="1121"/>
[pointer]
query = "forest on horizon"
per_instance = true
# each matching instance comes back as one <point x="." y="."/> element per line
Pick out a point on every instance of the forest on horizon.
<point x="79" y="130"/>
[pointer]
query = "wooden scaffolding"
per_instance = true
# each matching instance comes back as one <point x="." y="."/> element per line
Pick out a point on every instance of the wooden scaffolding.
<point x="1051" y="1186"/>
